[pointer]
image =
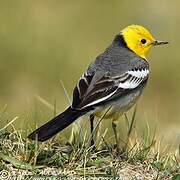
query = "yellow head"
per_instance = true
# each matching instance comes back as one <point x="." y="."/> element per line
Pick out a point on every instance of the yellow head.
<point x="139" y="39"/>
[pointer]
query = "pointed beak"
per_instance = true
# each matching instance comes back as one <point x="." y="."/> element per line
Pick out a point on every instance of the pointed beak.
<point x="156" y="42"/>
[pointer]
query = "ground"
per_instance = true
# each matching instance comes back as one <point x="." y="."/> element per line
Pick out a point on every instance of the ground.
<point x="25" y="159"/>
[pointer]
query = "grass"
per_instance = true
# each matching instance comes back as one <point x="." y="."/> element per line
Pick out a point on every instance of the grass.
<point x="137" y="156"/>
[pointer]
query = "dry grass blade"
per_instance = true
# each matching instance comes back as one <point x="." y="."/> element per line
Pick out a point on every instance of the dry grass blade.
<point x="65" y="91"/>
<point x="43" y="101"/>
<point x="8" y="123"/>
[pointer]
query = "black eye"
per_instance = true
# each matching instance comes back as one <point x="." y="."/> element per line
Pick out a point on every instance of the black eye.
<point x="143" y="41"/>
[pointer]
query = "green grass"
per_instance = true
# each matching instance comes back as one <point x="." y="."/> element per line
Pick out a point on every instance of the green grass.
<point x="137" y="156"/>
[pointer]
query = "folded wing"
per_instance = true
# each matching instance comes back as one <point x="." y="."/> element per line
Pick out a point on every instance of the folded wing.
<point x="93" y="89"/>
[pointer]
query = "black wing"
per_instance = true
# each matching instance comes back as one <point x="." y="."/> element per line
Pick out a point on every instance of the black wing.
<point x="93" y="89"/>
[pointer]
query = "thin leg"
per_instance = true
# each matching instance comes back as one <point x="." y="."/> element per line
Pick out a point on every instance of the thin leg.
<point x="92" y="128"/>
<point x="114" y="125"/>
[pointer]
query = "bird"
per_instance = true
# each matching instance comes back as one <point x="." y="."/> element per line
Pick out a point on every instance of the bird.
<point x="113" y="81"/>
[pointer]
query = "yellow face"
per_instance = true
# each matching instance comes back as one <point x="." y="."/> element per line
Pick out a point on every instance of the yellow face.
<point x="139" y="39"/>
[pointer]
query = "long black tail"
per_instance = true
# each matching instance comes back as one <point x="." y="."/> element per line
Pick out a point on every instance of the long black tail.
<point x="55" y="125"/>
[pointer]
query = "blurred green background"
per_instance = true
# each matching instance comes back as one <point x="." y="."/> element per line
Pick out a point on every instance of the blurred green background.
<point x="45" y="42"/>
